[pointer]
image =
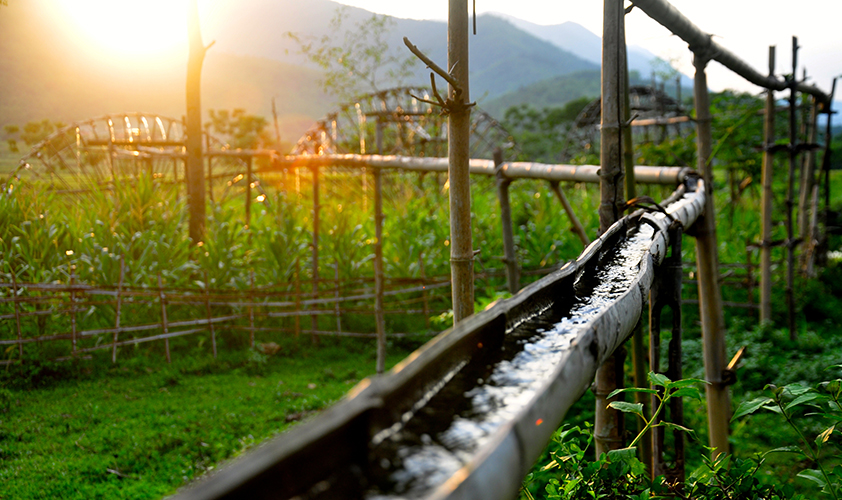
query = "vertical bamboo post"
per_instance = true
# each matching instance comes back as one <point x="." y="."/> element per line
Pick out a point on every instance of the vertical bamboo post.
<point x="119" y="309"/>
<point x="194" y="164"/>
<point x="336" y="310"/>
<point x="424" y="297"/>
<point x="380" y="319"/>
<point x="827" y="142"/>
<point x="568" y="209"/>
<point x="707" y="262"/>
<point x="210" y="168"/>
<point x="251" y="308"/>
<point x="208" y="313"/>
<point x="458" y="151"/>
<point x="248" y="190"/>
<point x="297" y="298"/>
<point x="793" y="154"/>
<point x="16" y="303"/>
<point x="608" y="422"/>
<point x="164" y="324"/>
<point x="314" y="319"/>
<point x="512" y="271"/>
<point x="766" y="200"/>
<point x="808" y="180"/>
<point x="73" y="309"/>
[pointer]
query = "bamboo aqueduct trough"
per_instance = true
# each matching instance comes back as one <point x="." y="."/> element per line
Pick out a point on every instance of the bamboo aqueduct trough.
<point x="516" y="368"/>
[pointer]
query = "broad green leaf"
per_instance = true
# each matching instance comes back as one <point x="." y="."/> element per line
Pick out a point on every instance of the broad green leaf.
<point x="748" y="407"/>
<point x="623" y="454"/>
<point x="659" y="379"/>
<point x="803" y="398"/>
<point x="685" y="382"/>
<point x="670" y="425"/>
<point x="785" y="449"/>
<point x="626" y="407"/>
<point x="687" y="392"/>
<point x="797" y="389"/>
<point x="631" y="389"/>
<point x="813" y="475"/>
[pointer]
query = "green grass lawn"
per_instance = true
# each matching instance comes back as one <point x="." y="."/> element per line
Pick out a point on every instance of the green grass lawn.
<point x="142" y="429"/>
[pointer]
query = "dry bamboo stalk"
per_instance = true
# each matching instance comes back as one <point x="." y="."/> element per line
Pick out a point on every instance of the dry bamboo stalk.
<point x="251" y="312"/>
<point x="17" y="314"/>
<point x="208" y="312"/>
<point x="506" y="222"/>
<point x="117" y="314"/>
<point x="379" y="319"/>
<point x="166" y="337"/>
<point x="297" y="299"/>
<point x="707" y="261"/>
<point x="568" y="209"/>
<point x="314" y="319"/>
<point x="790" y="236"/>
<point x="766" y="200"/>
<point x="194" y="165"/>
<point x="73" y="309"/>
<point x="164" y="325"/>
<point x="424" y="290"/>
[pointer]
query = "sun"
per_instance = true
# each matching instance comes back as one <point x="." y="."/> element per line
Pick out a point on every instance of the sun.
<point x="128" y="28"/>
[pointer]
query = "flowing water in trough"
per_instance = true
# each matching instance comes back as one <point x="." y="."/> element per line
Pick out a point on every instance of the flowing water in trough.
<point x="434" y="441"/>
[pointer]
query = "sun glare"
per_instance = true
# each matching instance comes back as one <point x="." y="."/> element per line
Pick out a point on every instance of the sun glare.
<point x="130" y="28"/>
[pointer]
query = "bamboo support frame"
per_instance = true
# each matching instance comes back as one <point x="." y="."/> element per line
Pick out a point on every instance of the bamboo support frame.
<point x="164" y="324"/>
<point x="210" y="316"/>
<point x="73" y="308"/>
<point x="568" y="209"/>
<point x="707" y="261"/>
<point x="380" y="321"/>
<point x="766" y="200"/>
<point x="510" y="258"/>
<point x="790" y="201"/>
<point x="117" y="312"/>
<point x="314" y="319"/>
<point x="608" y="423"/>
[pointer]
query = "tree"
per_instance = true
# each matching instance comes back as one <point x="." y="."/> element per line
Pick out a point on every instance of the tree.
<point x="358" y="60"/>
<point x="243" y="131"/>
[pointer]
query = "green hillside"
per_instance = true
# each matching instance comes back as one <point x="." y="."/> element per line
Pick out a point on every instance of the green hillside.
<point x="552" y="92"/>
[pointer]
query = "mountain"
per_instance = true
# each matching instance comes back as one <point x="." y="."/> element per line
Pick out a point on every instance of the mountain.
<point x="576" y="38"/>
<point x="553" y="92"/>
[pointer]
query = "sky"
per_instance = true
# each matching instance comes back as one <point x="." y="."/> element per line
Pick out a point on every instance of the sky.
<point x="745" y="27"/>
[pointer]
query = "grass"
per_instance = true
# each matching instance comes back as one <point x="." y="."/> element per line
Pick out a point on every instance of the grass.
<point x="141" y="430"/>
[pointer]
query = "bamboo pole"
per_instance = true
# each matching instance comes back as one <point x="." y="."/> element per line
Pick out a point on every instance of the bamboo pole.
<point x="568" y="209"/>
<point x="17" y="314"/>
<point x="378" y="271"/>
<point x="790" y="235"/>
<point x="314" y="319"/>
<point x="808" y="180"/>
<point x="766" y="200"/>
<point x="251" y="311"/>
<point x="208" y="312"/>
<point x="164" y="323"/>
<point x="424" y="298"/>
<point x="297" y="298"/>
<point x="336" y="289"/>
<point x="194" y="164"/>
<point x="512" y="271"/>
<point x="73" y="308"/>
<point x="608" y="422"/>
<point x="249" y="164"/>
<point x="827" y="150"/>
<point x="118" y="311"/>
<point x="458" y="140"/>
<point x="707" y="262"/>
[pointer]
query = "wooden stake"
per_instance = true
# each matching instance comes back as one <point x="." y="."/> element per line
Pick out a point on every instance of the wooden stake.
<point x="73" y="309"/>
<point x="251" y="310"/>
<point x="194" y="163"/>
<point x="793" y="155"/>
<point x="568" y="209"/>
<point x="314" y="319"/>
<point x="608" y="422"/>
<point x="208" y="312"/>
<point x="15" y="301"/>
<point x="512" y="271"/>
<point x="808" y="180"/>
<point x="380" y="319"/>
<point x="707" y="262"/>
<point x="458" y="140"/>
<point x="117" y="312"/>
<point x="164" y="324"/>
<point x="766" y="200"/>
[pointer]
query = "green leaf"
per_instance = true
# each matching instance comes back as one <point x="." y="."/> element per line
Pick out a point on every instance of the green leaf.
<point x="797" y="389"/>
<point x="631" y="389"/>
<point x="785" y="449"/>
<point x="686" y="382"/>
<point x="803" y="398"/>
<point x="687" y="392"/>
<point x="748" y="407"/>
<point x="813" y="475"/>
<point x="659" y="379"/>
<point x="626" y="407"/>
<point x="675" y="427"/>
